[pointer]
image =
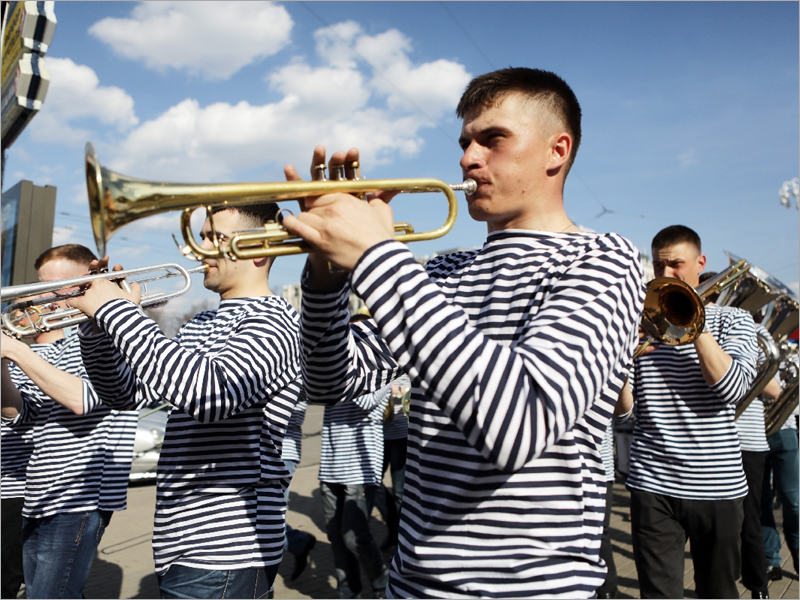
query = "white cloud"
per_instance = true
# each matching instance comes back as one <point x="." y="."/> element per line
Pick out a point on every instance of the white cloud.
<point x="63" y="235"/>
<point x="75" y="94"/>
<point x="211" y="39"/>
<point x="345" y="101"/>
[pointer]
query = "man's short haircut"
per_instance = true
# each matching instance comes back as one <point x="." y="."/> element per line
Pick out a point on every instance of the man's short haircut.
<point x="72" y="252"/>
<point x="257" y="214"/>
<point x="543" y="87"/>
<point x="674" y="235"/>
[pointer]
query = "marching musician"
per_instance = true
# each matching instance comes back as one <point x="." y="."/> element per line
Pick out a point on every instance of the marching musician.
<point x="80" y="460"/>
<point x="516" y="352"/>
<point x="231" y="377"/>
<point x="686" y="476"/>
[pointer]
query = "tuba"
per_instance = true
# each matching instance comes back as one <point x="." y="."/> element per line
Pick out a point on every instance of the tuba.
<point x="775" y="306"/>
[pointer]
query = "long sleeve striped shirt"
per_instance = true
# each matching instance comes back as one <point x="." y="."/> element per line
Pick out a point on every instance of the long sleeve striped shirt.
<point x="232" y="378"/>
<point x="78" y="462"/>
<point x="516" y="353"/>
<point x="685" y="443"/>
<point x="352" y="440"/>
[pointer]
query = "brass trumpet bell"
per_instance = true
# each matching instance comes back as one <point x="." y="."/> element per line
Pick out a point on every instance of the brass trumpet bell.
<point x="115" y="200"/>
<point x="673" y="312"/>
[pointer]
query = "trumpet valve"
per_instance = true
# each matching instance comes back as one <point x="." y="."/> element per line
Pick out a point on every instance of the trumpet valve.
<point x="320" y="173"/>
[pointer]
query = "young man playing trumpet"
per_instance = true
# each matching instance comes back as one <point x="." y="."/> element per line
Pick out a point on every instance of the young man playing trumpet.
<point x="231" y="376"/>
<point x="516" y="352"/>
<point x="82" y="451"/>
<point x="686" y="476"/>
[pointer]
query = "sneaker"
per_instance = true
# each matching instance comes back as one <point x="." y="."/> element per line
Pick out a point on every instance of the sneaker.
<point x="760" y="593"/>
<point x="301" y="560"/>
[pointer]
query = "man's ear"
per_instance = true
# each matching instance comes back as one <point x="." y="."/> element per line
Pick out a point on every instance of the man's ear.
<point x="560" y="150"/>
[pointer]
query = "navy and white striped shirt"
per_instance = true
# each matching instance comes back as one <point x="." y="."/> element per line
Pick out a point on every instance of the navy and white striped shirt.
<point x="685" y="443"/>
<point x="78" y="462"/>
<point x="232" y="378"/>
<point x="517" y="353"/>
<point x="293" y="440"/>
<point x="16" y="448"/>
<point x="352" y="440"/>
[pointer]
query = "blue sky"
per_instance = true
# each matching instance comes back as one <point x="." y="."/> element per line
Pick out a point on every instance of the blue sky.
<point x="690" y="110"/>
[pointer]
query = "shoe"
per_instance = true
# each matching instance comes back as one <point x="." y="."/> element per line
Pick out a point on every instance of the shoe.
<point x="759" y="593"/>
<point x="606" y="595"/>
<point x="301" y="560"/>
<point x="774" y="573"/>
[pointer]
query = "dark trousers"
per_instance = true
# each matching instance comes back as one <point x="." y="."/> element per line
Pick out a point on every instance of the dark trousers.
<point x="782" y="465"/>
<point x="58" y="551"/>
<point x="388" y="501"/>
<point x="188" y="582"/>
<point x="754" y="560"/>
<point x="659" y="528"/>
<point x="609" y="586"/>
<point x="347" y="509"/>
<point x="12" y="546"/>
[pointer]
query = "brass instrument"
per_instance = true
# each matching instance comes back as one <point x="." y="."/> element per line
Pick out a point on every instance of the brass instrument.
<point x="115" y="200"/>
<point x="674" y="312"/>
<point x="775" y="306"/>
<point x="778" y="411"/>
<point x="39" y="314"/>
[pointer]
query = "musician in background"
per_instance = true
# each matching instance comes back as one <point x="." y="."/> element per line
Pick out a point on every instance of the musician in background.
<point x="231" y="376"/>
<point x="77" y="475"/>
<point x="516" y="352"/>
<point x="686" y="476"/>
<point x="781" y="477"/>
<point x="350" y="473"/>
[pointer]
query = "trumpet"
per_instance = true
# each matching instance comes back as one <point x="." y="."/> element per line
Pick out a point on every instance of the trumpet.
<point x="33" y="316"/>
<point x="115" y="200"/>
<point x="674" y="313"/>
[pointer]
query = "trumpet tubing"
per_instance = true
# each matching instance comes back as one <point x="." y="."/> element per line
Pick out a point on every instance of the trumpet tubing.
<point x="115" y="200"/>
<point x="18" y="321"/>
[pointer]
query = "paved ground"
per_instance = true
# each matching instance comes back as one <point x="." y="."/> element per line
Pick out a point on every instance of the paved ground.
<point x="124" y="565"/>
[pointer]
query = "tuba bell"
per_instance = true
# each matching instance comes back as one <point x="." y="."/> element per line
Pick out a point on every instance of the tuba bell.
<point x="775" y="306"/>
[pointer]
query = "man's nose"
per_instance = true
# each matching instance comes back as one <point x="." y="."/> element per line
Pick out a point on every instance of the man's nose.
<point x="472" y="158"/>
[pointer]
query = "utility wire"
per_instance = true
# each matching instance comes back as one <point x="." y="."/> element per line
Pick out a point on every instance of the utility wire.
<point x="467" y="35"/>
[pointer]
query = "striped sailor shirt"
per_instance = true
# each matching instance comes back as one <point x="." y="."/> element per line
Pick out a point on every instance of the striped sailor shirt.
<point x="232" y="378"/>
<point x="352" y="440"/>
<point x="516" y="353"/>
<point x="685" y="443"/>
<point x="78" y="462"/>
<point x="16" y="445"/>
<point x="293" y="440"/>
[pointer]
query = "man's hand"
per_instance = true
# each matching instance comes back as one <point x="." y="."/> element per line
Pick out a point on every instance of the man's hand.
<point x="11" y="348"/>
<point x="340" y="227"/>
<point x="104" y="290"/>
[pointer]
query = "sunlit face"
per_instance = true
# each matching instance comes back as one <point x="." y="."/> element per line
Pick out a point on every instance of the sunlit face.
<point x="682" y="261"/>
<point x="223" y="274"/>
<point x="507" y="152"/>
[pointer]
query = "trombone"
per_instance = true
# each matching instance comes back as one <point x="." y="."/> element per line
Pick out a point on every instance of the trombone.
<point x="33" y="316"/>
<point x="115" y="200"/>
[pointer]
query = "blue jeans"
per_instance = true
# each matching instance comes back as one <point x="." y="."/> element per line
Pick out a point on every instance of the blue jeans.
<point x="57" y="552"/>
<point x="782" y="461"/>
<point x="188" y="582"/>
